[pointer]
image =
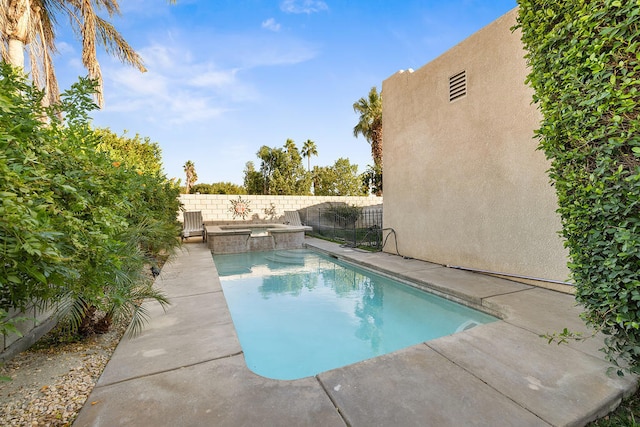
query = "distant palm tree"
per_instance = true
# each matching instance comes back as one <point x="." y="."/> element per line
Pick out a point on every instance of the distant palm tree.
<point x="290" y="146"/>
<point x="370" y="123"/>
<point x="30" y="24"/>
<point x="192" y="176"/>
<point x="309" y="149"/>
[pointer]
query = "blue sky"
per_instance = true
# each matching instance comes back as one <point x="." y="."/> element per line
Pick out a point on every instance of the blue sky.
<point x="226" y="77"/>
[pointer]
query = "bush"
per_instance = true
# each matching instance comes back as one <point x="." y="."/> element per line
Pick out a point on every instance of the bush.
<point x="77" y="223"/>
<point x="217" y="188"/>
<point x="343" y="214"/>
<point x="586" y="75"/>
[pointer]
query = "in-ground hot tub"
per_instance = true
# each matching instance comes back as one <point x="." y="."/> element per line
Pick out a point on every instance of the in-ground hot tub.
<point x="237" y="238"/>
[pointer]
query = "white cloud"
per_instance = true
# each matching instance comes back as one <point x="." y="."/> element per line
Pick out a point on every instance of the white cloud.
<point x="271" y="25"/>
<point x="157" y="56"/>
<point x="179" y="87"/>
<point x="275" y="55"/>
<point x="190" y="81"/>
<point x="158" y="99"/>
<point x="248" y="52"/>
<point x="187" y="108"/>
<point x="303" y="6"/>
<point x="214" y="78"/>
<point x="136" y="83"/>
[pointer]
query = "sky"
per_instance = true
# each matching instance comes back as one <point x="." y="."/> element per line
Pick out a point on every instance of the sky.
<point x="229" y="76"/>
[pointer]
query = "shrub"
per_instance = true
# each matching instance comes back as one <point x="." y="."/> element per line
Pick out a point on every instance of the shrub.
<point x="586" y="74"/>
<point x="77" y="223"/>
<point x="343" y="214"/>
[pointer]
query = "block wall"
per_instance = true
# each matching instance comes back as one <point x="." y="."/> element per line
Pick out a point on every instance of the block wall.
<point x="216" y="207"/>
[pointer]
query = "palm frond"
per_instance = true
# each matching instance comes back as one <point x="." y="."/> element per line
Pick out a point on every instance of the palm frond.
<point x="4" y="22"/>
<point x="370" y="122"/>
<point x="71" y="311"/>
<point x="115" y="44"/>
<point x="138" y="308"/>
<point x="111" y="6"/>
<point x="50" y="84"/>
<point x="88" y="34"/>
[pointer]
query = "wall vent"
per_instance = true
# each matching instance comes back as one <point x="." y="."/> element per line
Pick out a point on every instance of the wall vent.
<point x="457" y="86"/>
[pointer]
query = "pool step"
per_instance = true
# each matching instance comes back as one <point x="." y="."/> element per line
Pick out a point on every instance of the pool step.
<point x="289" y="258"/>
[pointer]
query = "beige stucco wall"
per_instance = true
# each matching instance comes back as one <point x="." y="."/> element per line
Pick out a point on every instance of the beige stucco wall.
<point x="463" y="182"/>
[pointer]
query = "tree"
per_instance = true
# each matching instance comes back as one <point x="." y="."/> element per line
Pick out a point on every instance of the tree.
<point x="370" y="126"/>
<point x="137" y="153"/>
<point x="309" y="149"/>
<point x="253" y="180"/>
<point x="348" y="182"/>
<point x="370" y="123"/>
<point x="289" y="176"/>
<point x="192" y="176"/>
<point x="341" y="179"/>
<point x="270" y="159"/>
<point x="282" y="171"/>
<point x="372" y="180"/>
<point x="218" y="188"/>
<point x="30" y="24"/>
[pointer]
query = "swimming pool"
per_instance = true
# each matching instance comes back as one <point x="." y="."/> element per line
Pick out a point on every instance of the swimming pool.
<point x="299" y="312"/>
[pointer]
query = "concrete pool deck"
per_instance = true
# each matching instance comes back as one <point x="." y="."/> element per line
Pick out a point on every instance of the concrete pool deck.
<point x="187" y="367"/>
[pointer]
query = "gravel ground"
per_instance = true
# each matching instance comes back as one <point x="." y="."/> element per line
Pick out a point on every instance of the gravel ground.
<point x="50" y="385"/>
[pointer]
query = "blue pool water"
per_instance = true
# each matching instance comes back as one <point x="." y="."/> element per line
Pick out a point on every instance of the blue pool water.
<point x="298" y="313"/>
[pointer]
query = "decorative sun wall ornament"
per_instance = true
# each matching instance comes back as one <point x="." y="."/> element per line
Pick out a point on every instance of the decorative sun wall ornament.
<point x="240" y="208"/>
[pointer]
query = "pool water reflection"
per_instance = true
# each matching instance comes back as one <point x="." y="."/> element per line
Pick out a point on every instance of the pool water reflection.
<point x="298" y="313"/>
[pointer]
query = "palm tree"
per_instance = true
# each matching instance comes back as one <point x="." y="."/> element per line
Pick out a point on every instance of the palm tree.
<point x="30" y="24"/>
<point x="370" y="123"/>
<point x="192" y="176"/>
<point x="309" y="149"/>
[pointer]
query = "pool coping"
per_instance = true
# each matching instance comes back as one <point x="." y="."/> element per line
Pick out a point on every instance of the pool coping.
<point x="225" y="230"/>
<point x="187" y="367"/>
<point x="240" y="238"/>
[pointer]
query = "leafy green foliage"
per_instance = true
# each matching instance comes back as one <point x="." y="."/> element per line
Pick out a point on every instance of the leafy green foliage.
<point x="8" y="326"/>
<point x="281" y="172"/>
<point x="625" y="415"/>
<point x="585" y="71"/>
<point x="253" y="180"/>
<point x="135" y="153"/>
<point x="80" y="215"/>
<point x="32" y="244"/>
<point x="341" y="179"/>
<point x="218" y="188"/>
<point x="343" y="214"/>
<point x="372" y="180"/>
<point x="370" y="123"/>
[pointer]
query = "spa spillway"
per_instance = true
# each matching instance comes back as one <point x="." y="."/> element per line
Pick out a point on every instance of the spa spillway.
<point x="238" y="238"/>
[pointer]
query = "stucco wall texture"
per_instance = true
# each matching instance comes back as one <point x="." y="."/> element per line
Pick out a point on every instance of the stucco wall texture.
<point x="463" y="182"/>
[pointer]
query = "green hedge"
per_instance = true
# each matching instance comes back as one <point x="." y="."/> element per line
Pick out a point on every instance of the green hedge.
<point x="584" y="59"/>
<point x="77" y="222"/>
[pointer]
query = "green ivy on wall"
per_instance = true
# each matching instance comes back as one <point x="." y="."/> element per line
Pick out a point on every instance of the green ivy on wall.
<point x="585" y="71"/>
